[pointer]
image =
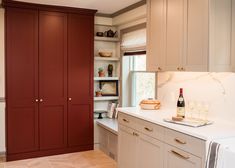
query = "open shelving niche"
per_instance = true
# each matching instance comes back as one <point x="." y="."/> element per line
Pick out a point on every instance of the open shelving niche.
<point x="107" y="44"/>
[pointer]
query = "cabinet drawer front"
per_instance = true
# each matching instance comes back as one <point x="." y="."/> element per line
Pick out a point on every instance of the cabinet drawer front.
<point x="127" y="120"/>
<point x="185" y="142"/>
<point x="178" y="158"/>
<point x="150" y="129"/>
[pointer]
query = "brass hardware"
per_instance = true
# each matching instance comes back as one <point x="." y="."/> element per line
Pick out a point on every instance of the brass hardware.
<point x="180" y="141"/>
<point x="180" y="155"/>
<point x="70" y="99"/>
<point x="125" y="120"/>
<point x="41" y="100"/>
<point x="178" y="68"/>
<point x="182" y="69"/>
<point x="159" y="69"/>
<point x="148" y="129"/>
<point x="36" y="100"/>
<point x="135" y="134"/>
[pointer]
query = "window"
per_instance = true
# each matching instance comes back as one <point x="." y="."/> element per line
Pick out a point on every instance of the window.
<point x="137" y="83"/>
<point x="142" y="82"/>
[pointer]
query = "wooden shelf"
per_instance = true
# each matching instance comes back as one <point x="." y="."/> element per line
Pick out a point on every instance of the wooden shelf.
<point x="105" y="78"/>
<point x="97" y="58"/>
<point x="107" y="39"/>
<point x="106" y="98"/>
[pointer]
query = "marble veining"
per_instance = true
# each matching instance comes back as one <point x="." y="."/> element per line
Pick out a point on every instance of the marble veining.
<point x="218" y="89"/>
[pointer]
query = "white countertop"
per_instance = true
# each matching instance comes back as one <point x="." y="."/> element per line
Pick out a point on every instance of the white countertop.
<point x="109" y="124"/>
<point x="215" y="131"/>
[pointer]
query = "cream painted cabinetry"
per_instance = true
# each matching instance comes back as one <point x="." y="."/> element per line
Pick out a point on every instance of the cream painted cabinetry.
<point x="181" y="38"/>
<point x="144" y="144"/>
<point x="138" y="150"/>
<point x="175" y="158"/>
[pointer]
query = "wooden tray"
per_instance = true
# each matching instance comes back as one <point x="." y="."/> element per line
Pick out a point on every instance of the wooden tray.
<point x="190" y="122"/>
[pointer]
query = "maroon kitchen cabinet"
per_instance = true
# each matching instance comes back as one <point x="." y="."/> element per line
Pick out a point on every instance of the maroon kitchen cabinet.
<point x="49" y="86"/>
<point x="53" y="80"/>
<point x="80" y="80"/>
<point x="22" y="80"/>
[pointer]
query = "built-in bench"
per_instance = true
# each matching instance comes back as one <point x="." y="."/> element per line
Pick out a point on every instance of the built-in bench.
<point x="106" y="135"/>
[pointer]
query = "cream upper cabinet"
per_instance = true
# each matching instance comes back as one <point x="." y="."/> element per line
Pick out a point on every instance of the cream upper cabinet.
<point x="175" y="158"/>
<point x="196" y="37"/>
<point x="221" y="35"/>
<point x="156" y="25"/>
<point x="181" y="37"/>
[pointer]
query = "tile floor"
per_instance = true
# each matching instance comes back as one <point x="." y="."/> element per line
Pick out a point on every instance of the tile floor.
<point x="89" y="159"/>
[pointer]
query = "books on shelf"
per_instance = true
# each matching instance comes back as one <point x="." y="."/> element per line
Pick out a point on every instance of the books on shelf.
<point x="112" y="110"/>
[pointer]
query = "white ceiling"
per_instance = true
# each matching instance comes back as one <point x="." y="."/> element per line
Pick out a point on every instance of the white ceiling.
<point x="103" y="6"/>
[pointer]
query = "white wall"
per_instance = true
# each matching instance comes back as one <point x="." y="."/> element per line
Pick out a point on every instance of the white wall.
<point x="2" y="94"/>
<point x="218" y="89"/>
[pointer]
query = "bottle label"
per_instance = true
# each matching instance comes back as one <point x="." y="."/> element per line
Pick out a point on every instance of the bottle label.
<point x="180" y="112"/>
<point x="181" y="99"/>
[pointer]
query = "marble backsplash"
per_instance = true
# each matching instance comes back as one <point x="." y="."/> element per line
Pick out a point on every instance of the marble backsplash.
<point x="218" y="89"/>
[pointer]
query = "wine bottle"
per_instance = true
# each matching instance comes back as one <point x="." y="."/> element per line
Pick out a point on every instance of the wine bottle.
<point x="181" y="105"/>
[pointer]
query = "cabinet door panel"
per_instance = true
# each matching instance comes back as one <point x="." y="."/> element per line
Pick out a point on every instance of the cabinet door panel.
<point x="150" y="152"/>
<point x="220" y="35"/>
<point x="53" y="80"/>
<point x="80" y="79"/>
<point x="175" y="158"/>
<point x="174" y="34"/>
<point x="197" y="37"/>
<point x="79" y="128"/>
<point x="22" y="80"/>
<point x="156" y="29"/>
<point x="127" y="148"/>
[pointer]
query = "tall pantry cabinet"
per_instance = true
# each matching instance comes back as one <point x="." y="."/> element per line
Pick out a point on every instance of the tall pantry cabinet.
<point x="49" y="86"/>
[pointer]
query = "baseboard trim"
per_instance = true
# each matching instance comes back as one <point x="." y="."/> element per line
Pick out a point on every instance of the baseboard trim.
<point x="20" y="156"/>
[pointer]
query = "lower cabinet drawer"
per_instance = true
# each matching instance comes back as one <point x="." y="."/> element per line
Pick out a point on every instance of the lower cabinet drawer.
<point x="185" y="142"/>
<point x="127" y="120"/>
<point x="176" y="158"/>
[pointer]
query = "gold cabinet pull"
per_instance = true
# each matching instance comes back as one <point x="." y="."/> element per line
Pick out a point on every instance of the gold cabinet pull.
<point x="148" y="129"/>
<point x="180" y="141"/>
<point x="180" y="155"/>
<point x="182" y="69"/>
<point x="135" y="134"/>
<point x="159" y="69"/>
<point x="125" y="120"/>
<point x="178" y="68"/>
<point x="36" y="100"/>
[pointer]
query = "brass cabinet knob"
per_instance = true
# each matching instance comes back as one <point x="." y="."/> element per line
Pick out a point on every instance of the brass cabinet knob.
<point x="178" y="68"/>
<point x="70" y="99"/>
<point x="36" y="100"/>
<point x="159" y="69"/>
<point x="182" y="69"/>
<point x="41" y="100"/>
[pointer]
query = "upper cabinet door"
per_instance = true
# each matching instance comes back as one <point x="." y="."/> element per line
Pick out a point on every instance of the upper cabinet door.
<point x="156" y="28"/>
<point x="175" y="34"/>
<point x="80" y="79"/>
<point x="22" y="80"/>
<point x="221" y="35"/>
<point x="196" y="33"/>
<point x="53" y="79"/>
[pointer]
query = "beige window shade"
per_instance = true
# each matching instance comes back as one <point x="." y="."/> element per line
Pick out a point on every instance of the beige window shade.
<point x="134" y="41"/>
